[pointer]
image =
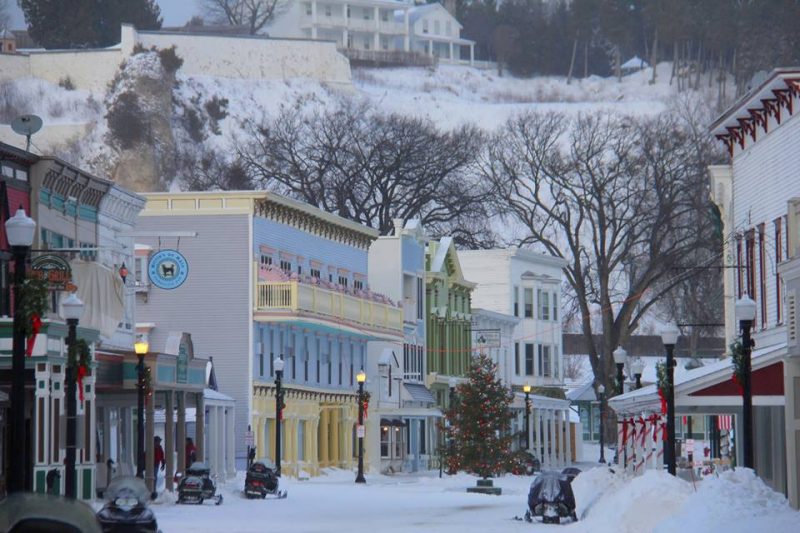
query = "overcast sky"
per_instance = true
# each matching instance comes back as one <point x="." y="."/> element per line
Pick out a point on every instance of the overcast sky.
<point x="174" y="12"/>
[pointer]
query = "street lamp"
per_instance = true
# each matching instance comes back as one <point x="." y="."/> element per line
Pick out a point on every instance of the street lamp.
<point x="620" y="356"/>
<point x="637" y="367"/>
<point x="527" y="390"/>
<point x="669" y="336"/>
<point x="19" y="230"/>
<point x="72" y="310"/>
<point x="746" y="314"/>
<point x="141" y="347"/>
<point x="451" y="441"/>
<point x="278" y="366"/>
<point x="601" y="390"/>
<point x="361" y="377"/>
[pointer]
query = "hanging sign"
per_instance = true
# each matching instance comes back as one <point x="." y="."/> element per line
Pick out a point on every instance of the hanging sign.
<point x="168" y="269"/>
<point x="54" y="270"/>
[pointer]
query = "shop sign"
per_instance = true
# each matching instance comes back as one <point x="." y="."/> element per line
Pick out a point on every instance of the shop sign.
<point x="54" y="270"/>
<point x="168" y="269"/>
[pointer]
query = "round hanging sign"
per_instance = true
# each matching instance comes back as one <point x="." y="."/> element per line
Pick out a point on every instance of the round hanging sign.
<point x="168" y="269"/>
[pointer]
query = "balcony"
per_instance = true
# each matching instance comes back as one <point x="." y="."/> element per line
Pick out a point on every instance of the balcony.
<point x="315" y="300"/>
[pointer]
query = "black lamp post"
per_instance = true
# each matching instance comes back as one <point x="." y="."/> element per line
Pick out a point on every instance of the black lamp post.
<point x="620" y="356"/>
<point x="141" y="348"/>
<point x="601" y="391"/>
<point x="451" y="442"/>
<point x="527" y="390"/>
<point x="361" y="377"/>
<point x="278" y="366"/>
<point x="19" y="231"/>
<point x="637" y="367"/>
<point x="72" y="310"/>
<point x="746" y="314"/>
<point x="669" y="336"/>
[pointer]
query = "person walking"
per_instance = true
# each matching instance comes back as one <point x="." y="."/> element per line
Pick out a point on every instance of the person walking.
<point x="158" y="459"/>
<point x="191" y="452"/>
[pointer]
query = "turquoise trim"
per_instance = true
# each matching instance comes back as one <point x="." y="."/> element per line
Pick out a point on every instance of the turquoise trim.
<point x="129" y="371"/>
<point x="165" y="374"/>
<point x="197" y="376"/>
<point x="44" y="196"/>
<point x="70" y="209"/>
<point x="57" y="202"/>
<point x="87" y="212"/>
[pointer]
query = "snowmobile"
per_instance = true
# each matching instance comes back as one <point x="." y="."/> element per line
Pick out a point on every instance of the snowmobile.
<point x="551" y="498"/>
<point x="570" y="473"/>
<point x="262" y="479"/>
<point x="198" y="485"/>
<point x="126" y="508"/>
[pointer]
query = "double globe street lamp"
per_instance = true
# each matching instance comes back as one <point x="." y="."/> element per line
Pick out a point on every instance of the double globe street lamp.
<point x="20" y="230"/>
<point x="278" y="366"/>
<point x="746" y="315"/>
<point x="141" y="347"/>
<point x="601" y="391"/>
<point x="71" y="310"/>
<point x="527" y="390"/>
<point x="669" y="336"/>
<point x="361" y="377"/>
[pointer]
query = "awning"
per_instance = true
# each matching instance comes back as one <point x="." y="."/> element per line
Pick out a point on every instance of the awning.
<point x="392" y="422"/>
<point x="419" y="393"/>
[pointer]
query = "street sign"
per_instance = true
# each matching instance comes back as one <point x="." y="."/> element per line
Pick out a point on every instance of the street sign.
<point x="360" y="432"/>
<point x="248" y="438"/>
<point x="54" y="270"/>
<point x="689" y="446"/>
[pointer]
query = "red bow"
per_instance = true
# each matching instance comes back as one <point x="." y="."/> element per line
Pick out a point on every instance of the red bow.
<point x="663" y="431"/>
<point x="654" y="423"/>
<point x="366" y="408"/>
<point x="738" y="383"/>
<point x="663" y="402"/>
<point x="643" y="422"/>
<point x="624" y="432"/>
<point x="36" y="325"/>
<point x="81" y="374"/>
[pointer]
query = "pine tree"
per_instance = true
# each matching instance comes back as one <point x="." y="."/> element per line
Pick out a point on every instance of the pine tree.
<point x="86" y="23"/>
<point x="479" y="422"/>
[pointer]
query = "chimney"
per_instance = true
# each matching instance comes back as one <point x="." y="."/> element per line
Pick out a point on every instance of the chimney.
<point x="398" y="226"/>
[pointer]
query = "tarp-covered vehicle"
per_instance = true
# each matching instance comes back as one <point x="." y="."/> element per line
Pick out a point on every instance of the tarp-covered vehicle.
<point x="126" y="510"/>
<point x="262" y="479"/>
<point x="198" y="485"/>
<point x="24" y="512"/>
<point x="551" y="498"/>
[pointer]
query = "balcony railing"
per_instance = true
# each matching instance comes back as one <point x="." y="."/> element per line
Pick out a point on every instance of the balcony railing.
<point x="302" y="297"/>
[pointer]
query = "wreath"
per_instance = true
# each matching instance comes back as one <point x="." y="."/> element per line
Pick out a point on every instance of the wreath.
<point x="663" y="385"/>
<point x="365" y="402"/>
<point x="148" y="384"/>
<point x="33" y="306"/>
<point x="737" y="354"/>
<point x="79" y="356"/>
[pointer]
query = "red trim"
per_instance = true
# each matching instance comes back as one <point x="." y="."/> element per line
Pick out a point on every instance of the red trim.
<point x="767" y="381"/>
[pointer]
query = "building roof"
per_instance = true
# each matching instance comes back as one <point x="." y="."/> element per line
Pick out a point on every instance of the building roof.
<point x="524" y="254"/>
<point x="495" y="316"/>
<point x="648" y="345"/>
<point x="634" y="63"/>
<point x="418" y="12"/>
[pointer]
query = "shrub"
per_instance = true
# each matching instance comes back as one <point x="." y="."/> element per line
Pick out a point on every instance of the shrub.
<point x="170" y="60"/>
<point x="125" y="120"/>
<point x="217" y="109"/>
<point x="66" y="83"/>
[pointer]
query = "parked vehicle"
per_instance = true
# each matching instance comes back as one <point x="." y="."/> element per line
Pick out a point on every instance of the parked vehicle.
<point x="551" y="498"/>
<point x="197" y="485"/>
<point x="570" y="473"/>
<point x="126" y="510"/>
<point x="21" y="512"/>
<point x="262" y="479"/>
<point x="532" y="464"/>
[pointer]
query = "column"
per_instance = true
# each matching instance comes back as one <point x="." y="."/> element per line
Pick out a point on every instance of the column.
<point x="313" y="19"/>
<point x="231" y="448"/>
<point x="336" y="458"/>
<point x="149" y="445"/>
<point x="537" y="434"/>
<point x="169" y="438"/>
<point x="90" y="430"/>
<point x="451" y="51"/>
<point x="312" y="434"/>
<point x="471" y="54"/>
<point x="200" y="426"/>
<point x="545" y="438"/>
<point x="568" y="437"/>
<point x="553" y="439"/>
<point x="430" y="47"/>
<point x="376" y="37"/>
<point x="324" y="456"/>
<point x="40" y="433"/>
<point x="557" y="437"/>
<point x="181" y="431"/>
<point x="407" y="35"/>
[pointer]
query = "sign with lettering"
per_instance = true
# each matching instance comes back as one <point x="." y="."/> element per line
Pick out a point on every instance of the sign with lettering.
<point x="168" y="269"/>
<point x="54" y="270"/>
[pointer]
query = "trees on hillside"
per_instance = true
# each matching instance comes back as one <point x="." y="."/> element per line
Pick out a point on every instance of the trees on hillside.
<point x="86" y="23"/>
<point x="373" y="168"/>
<point x="250" y="14"/>
<point x="617" y="198"/>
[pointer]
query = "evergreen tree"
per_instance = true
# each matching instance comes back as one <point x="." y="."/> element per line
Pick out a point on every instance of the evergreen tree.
<point x="480" y="422"/>
<point x="86" y="23"/>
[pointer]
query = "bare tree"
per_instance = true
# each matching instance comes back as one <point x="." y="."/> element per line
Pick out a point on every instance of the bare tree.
<point x="373" y="168"/>
<point x="251" y="14"/>
<point x="5" y="19"/>
<point x="573" y="366"/>
<point x="614" y="197"/>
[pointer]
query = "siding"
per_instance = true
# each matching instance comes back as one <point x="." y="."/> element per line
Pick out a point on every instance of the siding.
<point x="213" y="305"/>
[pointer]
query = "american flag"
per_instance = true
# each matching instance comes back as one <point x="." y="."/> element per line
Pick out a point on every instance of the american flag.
<point x="724" y="422"/>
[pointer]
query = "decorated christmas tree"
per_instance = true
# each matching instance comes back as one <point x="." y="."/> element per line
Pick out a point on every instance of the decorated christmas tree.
<point x="479" y="441"/>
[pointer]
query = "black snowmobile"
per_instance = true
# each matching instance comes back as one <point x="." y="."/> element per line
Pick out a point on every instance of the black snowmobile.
<point x="262" y="479"/>
<point x="198" y="485"/>
<point x="126" y="507"/>
<point x="551" y="498"/>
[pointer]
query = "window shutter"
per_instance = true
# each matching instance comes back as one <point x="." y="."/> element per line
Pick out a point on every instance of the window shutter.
<point x="791" y="320"/>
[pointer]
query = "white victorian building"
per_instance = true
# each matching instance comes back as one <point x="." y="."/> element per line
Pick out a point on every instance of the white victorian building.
<point x="376" y="26"/>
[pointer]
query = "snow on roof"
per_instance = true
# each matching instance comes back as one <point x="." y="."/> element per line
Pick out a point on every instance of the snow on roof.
<point x="633" y="63"/>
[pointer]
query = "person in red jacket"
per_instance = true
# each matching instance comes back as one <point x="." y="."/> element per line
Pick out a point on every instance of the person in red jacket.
<point x="158" y="457"/>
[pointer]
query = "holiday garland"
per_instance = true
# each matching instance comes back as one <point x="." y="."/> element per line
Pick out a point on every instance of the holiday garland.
<point x="32" y="307"/>
<point x="737" y="354"/>
<point x="663" y="385"/>
<point x="365" y="402"/>
<point x="79" y="356"/>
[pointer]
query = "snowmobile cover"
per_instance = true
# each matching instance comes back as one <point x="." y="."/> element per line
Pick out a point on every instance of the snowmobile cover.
<point x="551" y="487"/>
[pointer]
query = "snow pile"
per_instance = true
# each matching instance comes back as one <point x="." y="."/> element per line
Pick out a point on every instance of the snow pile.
<point x="736" y="500"/>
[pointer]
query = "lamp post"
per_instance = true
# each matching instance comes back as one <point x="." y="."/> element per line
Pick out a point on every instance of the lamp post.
<point x="451" y="441"/>
<point x="19" y="231"/>
<point x="620" y="356"/>
<point x="278" y="365"/>
<point x="637" y="367"/>
<point x="669" y="336"/>
<point x="141" y="348"/>
<point x="746" y="314"/>
<point x="601" y="390"/>
<point x="72" y="310"/>
<point x="361" y="377"/>
<point x="527" y="390"/>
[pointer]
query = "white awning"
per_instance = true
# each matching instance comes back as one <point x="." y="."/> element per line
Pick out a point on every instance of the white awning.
<point x="102" y="292"/>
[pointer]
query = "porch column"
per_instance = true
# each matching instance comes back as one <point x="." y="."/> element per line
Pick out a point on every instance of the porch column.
<point x="430" y="47"/>
<point x="407" y="35"/>
<point x="559" y="436"/>
<point x="471" y="54"/>
<point x="200" y="426"/>
<point x="568" y="437"/>
<point x="345" y="44"/>
<point x="41" y="430"/>
<point x="181" y="431"/>
<point x="551" y="419"/>
<point x="545" y="459"/>
<point x="536" y="434"/>
<point x="451" y="51"/>
<point x="149" y="434"/>
<point x="323" y="438"/>
<point x="230" y="426"/>
<point x="169" y="438"/>
<point x="313" y="437"/>
<point x="334" y="424"/>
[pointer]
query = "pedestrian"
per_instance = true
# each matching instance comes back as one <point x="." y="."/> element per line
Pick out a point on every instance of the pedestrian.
<point x="158" y="458"/>
<point x="191" y="452"/>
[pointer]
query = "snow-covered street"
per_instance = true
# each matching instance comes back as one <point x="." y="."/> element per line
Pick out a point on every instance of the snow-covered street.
<point x="607" y="502"/>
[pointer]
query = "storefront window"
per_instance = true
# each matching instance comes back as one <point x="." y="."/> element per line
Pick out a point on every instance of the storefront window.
<point x="384" y="441"/>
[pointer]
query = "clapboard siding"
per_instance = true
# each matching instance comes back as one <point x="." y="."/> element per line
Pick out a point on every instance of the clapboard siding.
<point x="213" y="305"/>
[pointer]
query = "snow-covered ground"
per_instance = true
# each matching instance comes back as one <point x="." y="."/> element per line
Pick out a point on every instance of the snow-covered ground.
<point x="607" y="502"/>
